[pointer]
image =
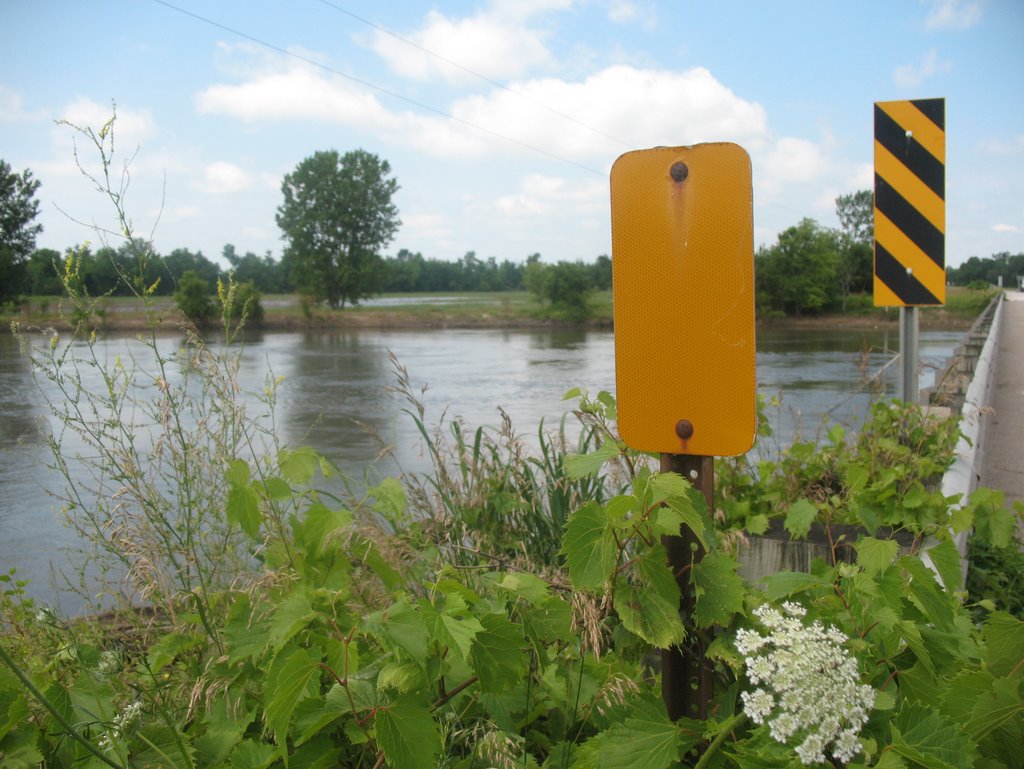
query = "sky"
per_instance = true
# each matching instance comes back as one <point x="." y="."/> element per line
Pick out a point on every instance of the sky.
<point x="500" y="119"/>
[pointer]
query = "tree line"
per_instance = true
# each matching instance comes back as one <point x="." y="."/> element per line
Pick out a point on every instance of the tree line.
<point x="337" y="216"/>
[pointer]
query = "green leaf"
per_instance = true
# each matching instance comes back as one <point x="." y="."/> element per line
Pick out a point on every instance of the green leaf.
<point x="650" y="607"/>
<point x="497" y="654"/>
<point x="237" y="473"/>
<point x="292" y="614"/>
<point x="783" y="584"/>
<point x="162" y="746"/>
<point x="719" y="589"/>
<point x="401" y="628"/>
<point x="20" y="748"/>
<point x="320" y="753"/>
<point x="525" y="585"/>
<point x="243" y="509"/>
<point x="298" y="466"/>
<point x="876" y="555"/>
<point x="320" y="526"/>
<point x="249" y="754"/>
<point x="922" y="734"/>
<point x="1004" y="643"/>
<point x="946" y="559"/>
<point x="289" y="676"/>
<point x="588" y="548"/>
<point x="408" y="735"/>
<point x="580" y="465"/>
<point x="646" y="739"/>
<point x="799" y="517"/>
<point x="549" y="622"/>
<point x="457" y="634"/>
<point x="245" y="636"/>
<point x="677" y="512"/>
<point x="389" y="498"/>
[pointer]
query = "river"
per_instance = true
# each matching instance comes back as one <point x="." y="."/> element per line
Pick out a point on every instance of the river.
<point x="335" y="385"/>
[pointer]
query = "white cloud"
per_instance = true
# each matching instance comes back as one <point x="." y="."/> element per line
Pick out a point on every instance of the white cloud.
<point x="493" y="45"/>
<point x="223" y="177"/>
<point x="11" y="109"/>
<point x="425" y="226"/>
<point x="794" y="160"/>
<point x="1013" y="146"/>
<point x="642" y="107"/>
<point x="1006" y="228"/>
<point x="953" y="14"/>
<point x="617" y="109"/>
<point x="912" y="75"/>
<point x="541" y="195"/>
<point x="295" y="92"/>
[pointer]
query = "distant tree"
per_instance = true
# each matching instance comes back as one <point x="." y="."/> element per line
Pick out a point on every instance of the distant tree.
<point x="265" y="273"/>
<point x="193" y="298"/>
<point x="18" y="209"/>
<point x="534" y="276"/>
<point x="603" y="273"/>
<point x="798" y="274"/>
<point x="855" y="265"/>
<point x="567" y="287"/>
<point x="44" y="272"/>
<point x="336" y="216"/>
<point x="856" y="213"/>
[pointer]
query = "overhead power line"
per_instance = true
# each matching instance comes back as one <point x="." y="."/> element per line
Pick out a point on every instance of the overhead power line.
<point x="467" y="70"/>
<point x="378" y="88"/>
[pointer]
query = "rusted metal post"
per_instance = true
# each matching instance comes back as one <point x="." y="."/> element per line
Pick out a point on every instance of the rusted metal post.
<point x="685" y="674"/>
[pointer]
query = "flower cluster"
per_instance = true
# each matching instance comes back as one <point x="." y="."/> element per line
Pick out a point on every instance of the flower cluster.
<point x="122" y="722"/>
<point x="808" y="684"/>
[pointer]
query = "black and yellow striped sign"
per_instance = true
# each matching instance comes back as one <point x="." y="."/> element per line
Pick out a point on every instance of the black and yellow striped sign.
<point x="910" y="203"/>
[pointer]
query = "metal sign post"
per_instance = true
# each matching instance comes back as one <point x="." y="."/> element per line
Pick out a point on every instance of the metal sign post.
<point x="683" y="284"/>
<point x="909" y="355"/>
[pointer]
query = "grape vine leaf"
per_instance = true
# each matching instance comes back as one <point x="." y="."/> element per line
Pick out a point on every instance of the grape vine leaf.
<point x="646" y="739"/>
<point x="650" y="608"/>
<point x="799" y="517"/>
<point x="588" y="548"/>
<point x="719" y="589"/>
<point x="497" y="654"/>
<point x="876" y="555"/>
<point x="580" y="465"/>
<point x="923" y="735"/>
<point x="287" y="679"/>
<point x="408" y="735"/>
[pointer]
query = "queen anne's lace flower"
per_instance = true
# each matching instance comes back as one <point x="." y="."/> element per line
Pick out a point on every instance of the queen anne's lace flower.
<point x="808" y="681"/>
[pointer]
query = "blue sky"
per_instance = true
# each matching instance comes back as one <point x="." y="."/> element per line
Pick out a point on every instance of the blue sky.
<point x="507" y="153"/>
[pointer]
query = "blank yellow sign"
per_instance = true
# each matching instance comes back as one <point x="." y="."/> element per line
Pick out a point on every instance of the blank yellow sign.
<point x="683" y="285"/>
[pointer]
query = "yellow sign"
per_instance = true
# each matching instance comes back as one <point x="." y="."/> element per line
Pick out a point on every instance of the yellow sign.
<point x="683" y="285"/>
<point x="910" y="203"/>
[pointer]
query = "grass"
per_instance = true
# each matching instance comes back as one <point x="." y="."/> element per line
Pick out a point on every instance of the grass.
<point x="492" y="309"/>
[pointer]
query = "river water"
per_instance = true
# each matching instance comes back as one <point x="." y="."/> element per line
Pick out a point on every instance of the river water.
<point x="335" y="385"/>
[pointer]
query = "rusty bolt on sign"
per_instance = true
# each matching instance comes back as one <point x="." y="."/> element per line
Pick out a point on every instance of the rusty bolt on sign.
<point x="679" y="171"/>
<point x="684" y="429"/>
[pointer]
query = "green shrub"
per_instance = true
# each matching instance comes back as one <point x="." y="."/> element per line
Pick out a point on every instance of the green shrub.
<point x="193" y="298"/>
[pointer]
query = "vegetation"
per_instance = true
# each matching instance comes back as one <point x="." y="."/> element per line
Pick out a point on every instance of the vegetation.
<point x="503" y="610"/>
<point x="1003" y="266"/>
<point x="18" y="209"/>
<point x="336" y="216"/>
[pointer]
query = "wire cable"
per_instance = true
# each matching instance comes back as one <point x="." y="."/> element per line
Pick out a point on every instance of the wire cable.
<point x="467" y="70"/>
<point x="381" y="89"/>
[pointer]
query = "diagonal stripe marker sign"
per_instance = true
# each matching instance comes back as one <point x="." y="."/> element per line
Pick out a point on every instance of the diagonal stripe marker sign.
<point x="910" y="203"/>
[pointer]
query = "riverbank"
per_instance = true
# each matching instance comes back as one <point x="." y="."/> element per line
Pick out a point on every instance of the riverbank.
<point x="490" y="310"/>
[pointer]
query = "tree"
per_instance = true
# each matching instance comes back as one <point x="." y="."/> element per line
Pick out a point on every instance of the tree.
<point x="855" y="266"/>
<point x="798" y="274"/>
<point x="336" y="216"/>
<point x="193" y="298"/>
<point x="18" y="208"/>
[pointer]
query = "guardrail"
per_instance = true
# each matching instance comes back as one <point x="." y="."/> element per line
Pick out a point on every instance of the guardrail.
<point x="965" y="389"/>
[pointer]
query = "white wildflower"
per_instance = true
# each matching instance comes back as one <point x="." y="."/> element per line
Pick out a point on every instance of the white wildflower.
<point x="808" y="682"/>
